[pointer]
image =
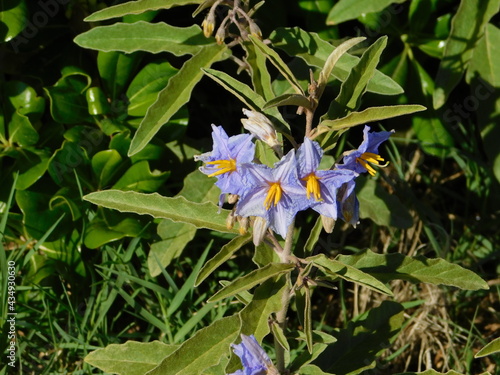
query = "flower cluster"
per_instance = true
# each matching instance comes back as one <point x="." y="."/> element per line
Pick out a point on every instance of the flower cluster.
<point x="294" y="183"/>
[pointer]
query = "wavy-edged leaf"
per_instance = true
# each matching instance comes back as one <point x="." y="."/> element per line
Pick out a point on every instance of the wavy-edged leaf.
<point x="145" y="36"/>
<point x="368" y="115"/>
<point x="136" y="7"/>
<point x="254" y="278"/>
<point x="315" y="51"/>
<point x="338" y="268"/>
<point x="345" y="10"/>
<point x="179" y="209"/>
<point x="223" y="255"/>
<point x="175" y="95"/>
<point x="467" y="28"/>
<point x="201" y="351"/>
<point x="131" y="358"/>
<point x="386" y="267"/>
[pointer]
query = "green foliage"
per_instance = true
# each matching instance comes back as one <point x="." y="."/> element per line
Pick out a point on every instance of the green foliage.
<point x="109" y="223"/>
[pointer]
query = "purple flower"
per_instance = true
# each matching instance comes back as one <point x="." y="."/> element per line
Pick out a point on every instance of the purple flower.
<point x="359" y="160"/>
<point x="254" y="359"/>
<point x="227" y="159"/>
<point x="275" y="194"/>
<point x="321" y="186"/>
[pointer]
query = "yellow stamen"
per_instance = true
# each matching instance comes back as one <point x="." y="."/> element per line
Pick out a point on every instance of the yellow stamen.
<point x="313" y="187"/>
<point x="224" y="166"/>
<point x="273" y="195"/>
<point x="370" y="157"/>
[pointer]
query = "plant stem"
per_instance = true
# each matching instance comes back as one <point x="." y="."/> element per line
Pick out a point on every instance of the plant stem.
<point x="285" y="257"/>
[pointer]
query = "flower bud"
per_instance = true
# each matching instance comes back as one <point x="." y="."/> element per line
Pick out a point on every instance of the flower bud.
<point x="255" y="30"/>
<point x="208" y="24"/>
<point x="260" y="126"/>
<point x="328" y="223"/>
<point x="220" y="35"/>
<point x="259" y="230"/>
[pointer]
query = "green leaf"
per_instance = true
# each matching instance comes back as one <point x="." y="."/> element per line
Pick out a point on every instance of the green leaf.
<point x="492" y="347"/>
<point x="434" y="372"/>
<point x="276" y="60"/>
<point x="143" y="90"/>
<point x="368" y="115"/>
<point x="225" y="253"/>
<point x="359" y="344"/>
<point x="254" y="278"/>
<point x="14" y="16"/>
<point x="332" y="60"/>
<point x="178" y="209"/>
<point x="21" y="130"/>
<point x="136" y="7"/>
<point x="145" y="36"/>
<point x="353" y="88"/>
<point x="486" y="54"/>
<point x="345" y="10"/>
<point x="24" y="99"/>
<point x="386" y="267"/>
<point x="139" y="177"/>
<point x="313" y="237"/>
<point x="382" y="207"/>
<point x="289" y="99"/>
<point x="68" y="104"/>
<point x="261" y="79"/>
<point x="467" y="28"/>
<point x="201" y="351"/>
<point x="112" y="227"/>
<point x="131" y="358"/>
<point x="31" y="164"/>
<point x="105" y="164"/>
<point x="65" y="161"/>
<point x="115" y="69"/>
<point x="338" y="268"/>
<point x="250" y="98"/>
<point x="315" y="51"/>
<point x="312" y="370"/>
<point x="175" y="95"/>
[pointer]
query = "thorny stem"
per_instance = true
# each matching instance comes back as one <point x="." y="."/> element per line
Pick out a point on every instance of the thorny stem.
<point x="309" y="121"/>
<point x="285" y="257"/>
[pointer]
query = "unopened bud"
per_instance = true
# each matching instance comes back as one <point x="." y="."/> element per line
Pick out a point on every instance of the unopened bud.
<point x="259" y="230"/>
<point x="220" y="35"/>
<point x="232" y="198"/>
<point x="255" y="30"/>
<point x="230" y="220"/>
<point x="260" y="126"/>
<point x="208" y="24"/>
<point x="328" y="223"/>
<point x="244" y="223"/>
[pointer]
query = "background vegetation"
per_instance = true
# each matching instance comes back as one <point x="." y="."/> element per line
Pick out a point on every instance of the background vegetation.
<point x="88" y="276"/>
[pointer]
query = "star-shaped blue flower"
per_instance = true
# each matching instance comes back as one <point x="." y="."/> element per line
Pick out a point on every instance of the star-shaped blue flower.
<point x="275" y="194"/>
<point x="360" y="160"/>
<point x="254" y="359"/>
<point x="227" y="160"/>
<point x="321" y="185"/>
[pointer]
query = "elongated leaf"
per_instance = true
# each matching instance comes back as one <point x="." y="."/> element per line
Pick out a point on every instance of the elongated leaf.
<point x="223" y="255"/>
<point x="254" y="278"/>
<point x="289" y="99"/>
<point x="332" y="60"/>
<point x="136" y="7"/>
<point x="368" y="115"/>
<point x="491" y="348"/>
<point x="175" y="95"/>
<point x="201" y="351"/>
<point x="353" y="88"/>
<point x="144" y="36"/>
<point x="131" y="358"/>
<point x="279" y="64"/>
<point x="386" y="267"/>
<point x="349" y="273"/>
<point x="315" y="51"/>
<point x="261" y="79"/>
<point x="467" y="28"/>
<point x="434" y="372"/>
<point x="251" y="99"/>
<point x="486" y="56"/>
<point x="346" y="10"/>
<point x="201" y="215"/>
